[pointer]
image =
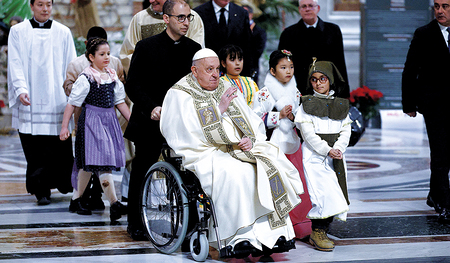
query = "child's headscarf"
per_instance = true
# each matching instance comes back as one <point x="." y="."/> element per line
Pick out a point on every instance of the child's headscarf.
<point x="337" y="82"/>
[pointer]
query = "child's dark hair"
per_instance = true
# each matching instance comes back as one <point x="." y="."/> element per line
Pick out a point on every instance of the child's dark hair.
<point x="233" y="51"/>
<point x="92" y="46"/>
<point x="276" y="56"/>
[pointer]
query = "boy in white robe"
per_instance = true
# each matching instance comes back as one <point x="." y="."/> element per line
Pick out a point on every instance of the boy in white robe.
<point x="324" y="123"/>
<point x="39" y="51"/>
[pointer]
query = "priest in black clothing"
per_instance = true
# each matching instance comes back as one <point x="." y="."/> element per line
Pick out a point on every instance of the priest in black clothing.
<point x="157" y="63"/>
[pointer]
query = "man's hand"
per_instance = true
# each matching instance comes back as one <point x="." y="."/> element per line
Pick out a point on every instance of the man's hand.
<point x="25" y="99"/>
<point x="412" y="114"/>
<point x="245" y="144"/>
<point x="335" y="154"/>
<point x="226" y="98"/>
<point x="156" y="113"/>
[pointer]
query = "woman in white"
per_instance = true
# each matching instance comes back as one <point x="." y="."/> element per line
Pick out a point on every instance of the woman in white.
<point x="325" y="127"/>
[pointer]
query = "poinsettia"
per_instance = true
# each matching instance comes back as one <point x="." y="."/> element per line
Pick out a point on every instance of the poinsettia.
<point x="365" y="100"/>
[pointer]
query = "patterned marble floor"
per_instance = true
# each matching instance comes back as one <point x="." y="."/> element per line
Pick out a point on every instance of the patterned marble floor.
<point x="388" y="220"/>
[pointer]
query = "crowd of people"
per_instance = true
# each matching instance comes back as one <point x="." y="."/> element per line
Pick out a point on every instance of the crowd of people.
<point x="271" y="158"/>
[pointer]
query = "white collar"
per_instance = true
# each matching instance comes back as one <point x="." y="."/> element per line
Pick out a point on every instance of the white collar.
<point x="313" y="25"/>
<point x="217" y="7"/>
<point x="323" y="96"/>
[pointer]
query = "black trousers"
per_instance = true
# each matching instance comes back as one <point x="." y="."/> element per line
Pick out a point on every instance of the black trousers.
<point x="146" y="154"/>
<point x="438" y="136"/>
<point x="321" y="223"/>
<point x="49" y="163"/>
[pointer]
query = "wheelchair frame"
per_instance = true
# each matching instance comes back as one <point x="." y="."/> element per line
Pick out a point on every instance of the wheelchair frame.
<point x="170" y="197"/>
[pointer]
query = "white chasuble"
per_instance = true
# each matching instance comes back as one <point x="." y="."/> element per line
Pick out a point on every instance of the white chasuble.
<point x="37" y="63"/>
<point x="253" y="191"/>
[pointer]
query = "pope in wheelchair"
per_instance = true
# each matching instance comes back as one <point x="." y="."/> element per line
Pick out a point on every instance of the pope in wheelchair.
<point x="251" y="183"/>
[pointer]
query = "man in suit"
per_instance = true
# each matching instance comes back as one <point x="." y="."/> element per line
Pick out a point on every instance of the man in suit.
<point x="426" y="90"/>
<point x="257" y="43"/>
<point x="226" y="23"/>
<point x="312" y="37"/>
<point x="157" y="63"/>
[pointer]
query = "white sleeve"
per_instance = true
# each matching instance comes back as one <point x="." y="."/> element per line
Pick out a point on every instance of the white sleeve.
<point x="344" y="135"/>
<point x="17" y="83"/>
<point x="306" y="126"/>
<point x="80" y="90"/>
<point x="119" y="93"/>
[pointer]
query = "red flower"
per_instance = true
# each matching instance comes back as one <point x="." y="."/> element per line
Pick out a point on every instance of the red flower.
<point x="2" y="104"/>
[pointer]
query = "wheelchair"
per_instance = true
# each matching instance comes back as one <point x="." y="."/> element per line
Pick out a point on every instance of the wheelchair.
<point x="176" y="212"/>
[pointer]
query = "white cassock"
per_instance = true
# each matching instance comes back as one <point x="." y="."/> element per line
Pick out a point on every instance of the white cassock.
<point x="146" y="24"/>
<point x="253" y="192"/>
<point x="37" y="63"/>
<point x="326" y="195"/>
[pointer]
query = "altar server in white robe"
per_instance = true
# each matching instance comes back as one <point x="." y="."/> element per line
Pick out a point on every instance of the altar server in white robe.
<point x="324" y="123"/>
<point x="39" y="51"/>
<point x="221" y="140"/>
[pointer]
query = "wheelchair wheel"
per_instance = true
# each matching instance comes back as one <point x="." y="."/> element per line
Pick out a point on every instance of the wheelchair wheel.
<point x="165" y="209"/>
<point x="199" y="246"/>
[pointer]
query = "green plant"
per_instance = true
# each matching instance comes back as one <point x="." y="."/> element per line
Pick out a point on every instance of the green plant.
<point x="272" y="14"/>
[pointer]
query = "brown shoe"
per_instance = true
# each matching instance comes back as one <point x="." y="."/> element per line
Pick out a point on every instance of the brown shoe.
<point x="320" y="240"/>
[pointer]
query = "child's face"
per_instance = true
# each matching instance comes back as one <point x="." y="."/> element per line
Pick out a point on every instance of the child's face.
<point x="233" y="66"/>
<point x="320" y="83"/>
<point x="284" y="71"/>
<point x="101" y="58"/>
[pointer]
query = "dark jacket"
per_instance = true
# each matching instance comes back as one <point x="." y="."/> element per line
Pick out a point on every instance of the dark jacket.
<point x="238" y="30"/>
<point x="425" y="86"/>
<point x="325" y="43"/>
<point x="157" y="63"/>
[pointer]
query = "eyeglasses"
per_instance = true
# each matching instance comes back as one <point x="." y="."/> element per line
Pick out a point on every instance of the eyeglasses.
<point x="182" y="18"/>
<point x="444" y="7"/>
<point x="310" y="6"/>
<point x="321" y="79"/>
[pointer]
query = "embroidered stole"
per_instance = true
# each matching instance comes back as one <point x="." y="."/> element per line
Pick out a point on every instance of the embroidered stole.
<point x="338" y="165"/>
<point x="214" y="133"/>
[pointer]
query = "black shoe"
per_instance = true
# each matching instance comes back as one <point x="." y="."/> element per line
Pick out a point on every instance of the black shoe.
<point x="430" y="202"/>
<point x="77" y="206"/>
<point x="243" y="249"/>
<point x="137" y="234"/>
<point x="444" y="216"/>
<point x="96" y="203"/>
<point x="117" y="210"/>
<point x="44" y="200"/>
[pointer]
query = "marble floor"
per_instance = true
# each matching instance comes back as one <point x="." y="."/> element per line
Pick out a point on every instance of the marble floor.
<point x="389" y="220"/>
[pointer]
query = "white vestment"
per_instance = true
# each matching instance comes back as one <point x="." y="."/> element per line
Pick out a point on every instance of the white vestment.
<point x="242" y="191"/>
<point x="326" y="195"/>
<point x="144" y="25"/>
<point x="37" y="63"/>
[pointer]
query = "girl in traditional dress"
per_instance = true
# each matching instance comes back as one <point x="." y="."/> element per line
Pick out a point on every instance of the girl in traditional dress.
<point x="325" y="127"/>
<point x="231" y="64"/>
<point x="99" y="145"/>
<point x="279" y="119"/>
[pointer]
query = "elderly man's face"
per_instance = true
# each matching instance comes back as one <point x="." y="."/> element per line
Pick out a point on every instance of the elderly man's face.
<point x="42" y="10"/>
<point x="157" y="5"/>
<point x="442" y="12"/>
<point x="207" y="71"/>
<point x="308" y="9"/>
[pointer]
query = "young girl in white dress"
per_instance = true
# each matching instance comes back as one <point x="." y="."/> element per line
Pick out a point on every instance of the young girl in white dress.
<point x="325" y="127"/>
<point x="284" y="97"/>
<point x="99" y="145"/>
